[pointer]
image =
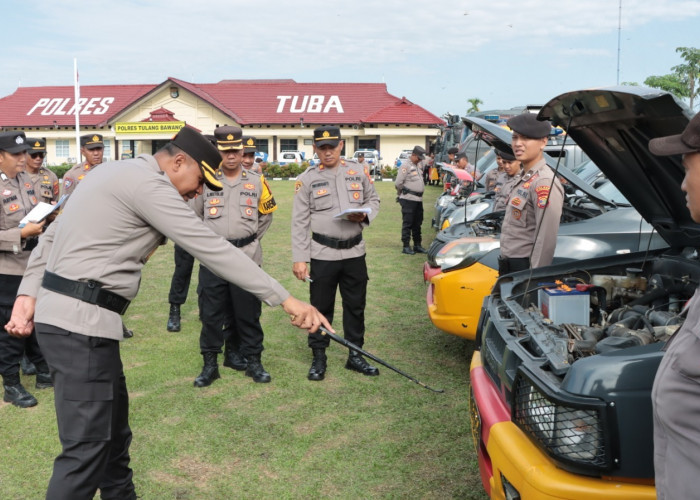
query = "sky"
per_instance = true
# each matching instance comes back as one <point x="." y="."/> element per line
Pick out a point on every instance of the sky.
<point x="438" y="54"/>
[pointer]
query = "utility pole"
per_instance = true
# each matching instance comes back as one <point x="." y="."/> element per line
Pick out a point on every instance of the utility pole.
<point x="619" y="31"/>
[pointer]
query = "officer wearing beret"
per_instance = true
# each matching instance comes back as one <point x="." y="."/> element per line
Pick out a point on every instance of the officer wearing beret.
<point x="16" y="243"/>
<point x="92" y="148"/>
<point x="45" y="182"/>
<point x="131" y="207"/>
<point x="409" y="187"/>
<point x="241" y="213"/>
<point x="249" y="149"/>
<point x="451" y="153"/>
<point x="676" y="392"/>
<point x="534" y="206"/>
<point x="333" y="245"/>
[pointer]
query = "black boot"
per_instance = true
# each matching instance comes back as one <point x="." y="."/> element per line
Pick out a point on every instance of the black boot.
<point x="210" y="371"/>
<point x="419" y="249"/>
<point x="43" y="380"/>
<point x="255" y="369"/>
<point x="359" y="364"/>
<point x="318" y="365"/>
<point x="174" y="318"/>
<point x="408" y="251"/>
<point x="233" y="359"/>
<point x="27" y="366"/>
<point x="16" y="394"/>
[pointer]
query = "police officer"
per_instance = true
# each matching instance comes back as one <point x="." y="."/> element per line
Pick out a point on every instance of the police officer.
<point x="491" y="176"/>
<point x="249" y="149"/>
<point x="16" y="243"/>
<point x="506" y="180"/>
<point x="45" y="182"/>
<point x="92" y="148"/>
<point x="534" y="206"/>
<point x="333" y="245"/>
<point x="241" y="213"/>
<point x="451" y="154"/>
<point x="130" y="207"/>
<point x="676" y="392"/>
<point x="409" y="187"/>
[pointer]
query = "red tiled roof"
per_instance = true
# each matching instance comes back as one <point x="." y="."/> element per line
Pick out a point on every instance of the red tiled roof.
<point x="161" y="115"/>
<point x="46" y="106"/>
<point x="400" y="111"/>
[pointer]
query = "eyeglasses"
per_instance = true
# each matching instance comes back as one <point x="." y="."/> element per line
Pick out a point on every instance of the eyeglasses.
<point x="37" y="155"/>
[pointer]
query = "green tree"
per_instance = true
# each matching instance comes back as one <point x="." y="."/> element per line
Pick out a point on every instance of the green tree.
<point x="474" y="102"/>
<point x="684" y="79"/>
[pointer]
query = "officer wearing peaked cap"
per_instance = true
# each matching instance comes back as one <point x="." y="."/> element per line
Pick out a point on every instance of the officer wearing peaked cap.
<point x="409" y="187"/>
<point x="18" y="198"/>
<point x="534" y="206"/>
<point x="130" y="207"/>
<point x="92" y="148"/>
<point x="249" y="150"/>
<point x="230" y="316"/>
<point x="45" y="182"/>
<point x="333" y="245"/>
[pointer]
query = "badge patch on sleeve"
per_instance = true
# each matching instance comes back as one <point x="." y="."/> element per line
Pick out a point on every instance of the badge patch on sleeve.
<point x="297" y="186"/>
<point x="516" y="214"/>
<point x="542" y="196"/>
<point x="516" y="202"/>
<point x="14" y="207"/>
<point x="249" y="211"/>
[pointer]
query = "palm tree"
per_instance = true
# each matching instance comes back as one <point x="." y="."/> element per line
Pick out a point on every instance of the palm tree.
<point x="474" y="101"/>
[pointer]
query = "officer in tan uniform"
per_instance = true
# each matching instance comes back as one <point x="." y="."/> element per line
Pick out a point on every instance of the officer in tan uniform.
<point x="130" y="207"/>
<point x="333" y="245"/>
<point x="506" y="180"/>
<point x="18" y="198"/>
<point x="491" y="177"/>
<point x="229" y="314"/>
<point x="533" y="209"/>
<point x="409" y="187"/>
<point x="92" y="148"/>
<point x="250" y="147"/>
<point x="45" y="182"/>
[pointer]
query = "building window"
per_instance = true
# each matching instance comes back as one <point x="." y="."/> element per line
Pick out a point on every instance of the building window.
<point x="262" y="145"/>
<point x="107" y="154"/>
<point x="62" y="148"/>
<point x="288" y="145"/>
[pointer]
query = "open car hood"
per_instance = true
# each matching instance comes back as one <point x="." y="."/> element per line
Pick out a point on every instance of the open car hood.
<point x="500" y="138"/>
<point x="613" y="126"/>
<point x="462" y="175"/>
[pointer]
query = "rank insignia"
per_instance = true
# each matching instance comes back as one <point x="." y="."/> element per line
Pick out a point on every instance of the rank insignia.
<point x="86" y="167"/>
<point x="321" y="192"/>
<point x="214" y="201"/>
<point x="6" y="192"/>
<point x="356" y="195"/>
<point x="213" y="211"/>
<point x="249" y="202"/>
<point x="516" y="214"/>
<point x="33" y="199"/>
<point x="351" y="172"/>
<point x="354" y="185"/>
<point x="249" y="211"/>
<point x="46" y="177"/>
<point x="297" y="186"/>
<point x="14" y="207"/>
<point x="27" y="185"/>
<point x="80" y="177"/>
<point x="249" y="186"/>
<point x="542" y="196"/>
<point x="526" y="185"/>
<point x="516" y="202"/>
<point x="321" y="167"/>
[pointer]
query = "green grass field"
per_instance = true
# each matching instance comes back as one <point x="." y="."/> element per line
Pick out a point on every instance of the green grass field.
<point x="349" y="436"/>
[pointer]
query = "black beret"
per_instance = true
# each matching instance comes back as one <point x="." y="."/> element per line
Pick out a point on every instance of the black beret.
<point x="327" y="134"/>
<point x="452" y="151"/>
<point x="505" y="156"/>
<point x="91" y="141"/>
<point x="36" y="145"/>
<point x="461" y="155"/>
<point x="13" y="142"/>
<point x="528" y="125"/>
<point x="203" y="152"/>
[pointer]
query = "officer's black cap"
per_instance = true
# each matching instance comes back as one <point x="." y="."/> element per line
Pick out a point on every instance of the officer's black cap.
<point x="461" y="155"/>
<point x="91" y="141"/>
<point x="505" y="156"/>
<point x="228" y="137"/>
<point x="327" y="134"/>
<point x="249" y="144"/>
<point x="211" y="138"/>
<point x="452" y="151"/>
<point x="13" y="142"/>
<point x="203" y="152"/>
<point x="419" y="152"/>
<point x="36" y="145"/>
<point x="679" y="144"/>
<point x="528" y="125"/>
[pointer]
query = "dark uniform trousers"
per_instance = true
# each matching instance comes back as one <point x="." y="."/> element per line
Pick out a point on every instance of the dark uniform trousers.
<point x="92" y="411"/>
<point x="350" y="275"/>
<point x="180" y="284"/>
<point x="12" y="348"/>
<point x="412" y="218"/>
<point x="228" y="312"/>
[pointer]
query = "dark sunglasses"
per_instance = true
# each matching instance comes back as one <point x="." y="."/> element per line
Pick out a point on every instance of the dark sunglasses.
<point x="37" y="155"/>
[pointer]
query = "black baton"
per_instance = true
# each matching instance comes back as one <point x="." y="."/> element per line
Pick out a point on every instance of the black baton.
<point x="371" y="356"/>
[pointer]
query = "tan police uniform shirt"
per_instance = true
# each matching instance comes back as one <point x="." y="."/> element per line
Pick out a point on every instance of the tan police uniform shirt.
<point x="504" y="185"/>
<point x="45" y="184"/>
<point x="525" y="212"/>
<point x="18" y="199"/>
<point x="491" y="178"/>
<point x="410" y="176"/>
<point x="75" y="175"/>
<point x="320" y="194"/>
<point x="112" y="225"/>
<point x="237" y="212"/>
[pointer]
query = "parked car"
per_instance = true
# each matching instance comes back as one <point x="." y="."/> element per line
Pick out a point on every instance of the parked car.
<point x="560" y="398"/>
<point x="403" y="155"/>
<point x="287" y="157"/>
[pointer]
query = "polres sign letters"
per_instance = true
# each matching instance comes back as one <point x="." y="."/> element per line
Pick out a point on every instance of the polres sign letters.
<point x="309" y="104"/>
<point x="60" y="106"/>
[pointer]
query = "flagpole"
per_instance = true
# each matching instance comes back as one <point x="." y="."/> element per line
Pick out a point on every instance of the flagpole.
<point x="76" y="86"/>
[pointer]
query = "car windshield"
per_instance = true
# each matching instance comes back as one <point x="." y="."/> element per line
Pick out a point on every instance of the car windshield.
<point x="369" y="155"/>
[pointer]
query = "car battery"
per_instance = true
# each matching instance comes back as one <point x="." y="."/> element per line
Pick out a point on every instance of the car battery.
<point x="563" y="304"/>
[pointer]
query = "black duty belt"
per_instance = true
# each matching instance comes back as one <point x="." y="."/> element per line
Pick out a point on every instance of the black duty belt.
<point x="335" y="242"/>
<point x="241" y="242"/>
<point x="414" y="193"/>
<point x="88" y="291"/>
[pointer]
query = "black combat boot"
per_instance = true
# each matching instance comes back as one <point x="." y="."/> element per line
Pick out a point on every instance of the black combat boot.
<point x="359" y="364"/>
<point x="15" y="392"/>
<point x="234" y="359"/>
<point x="210" y="371"/>
<point x="27" y="366"/>
<point x="43" y="380"/>
<point x="408" y="250"/>
<point x="174" y="318"/>
<point x="318" y="365"/>
<point x="419" y="249"/>
<point x="255" y="369"/>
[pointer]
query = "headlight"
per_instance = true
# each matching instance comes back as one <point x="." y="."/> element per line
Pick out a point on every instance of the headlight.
<point x="474" y="210"/>
<point x="567" y="433"/>
<point x="443" y="201"/>
<point x="455" y="252"/>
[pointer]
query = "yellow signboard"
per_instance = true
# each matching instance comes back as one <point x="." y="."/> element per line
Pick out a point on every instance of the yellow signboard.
<point x="148" y="127"/>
